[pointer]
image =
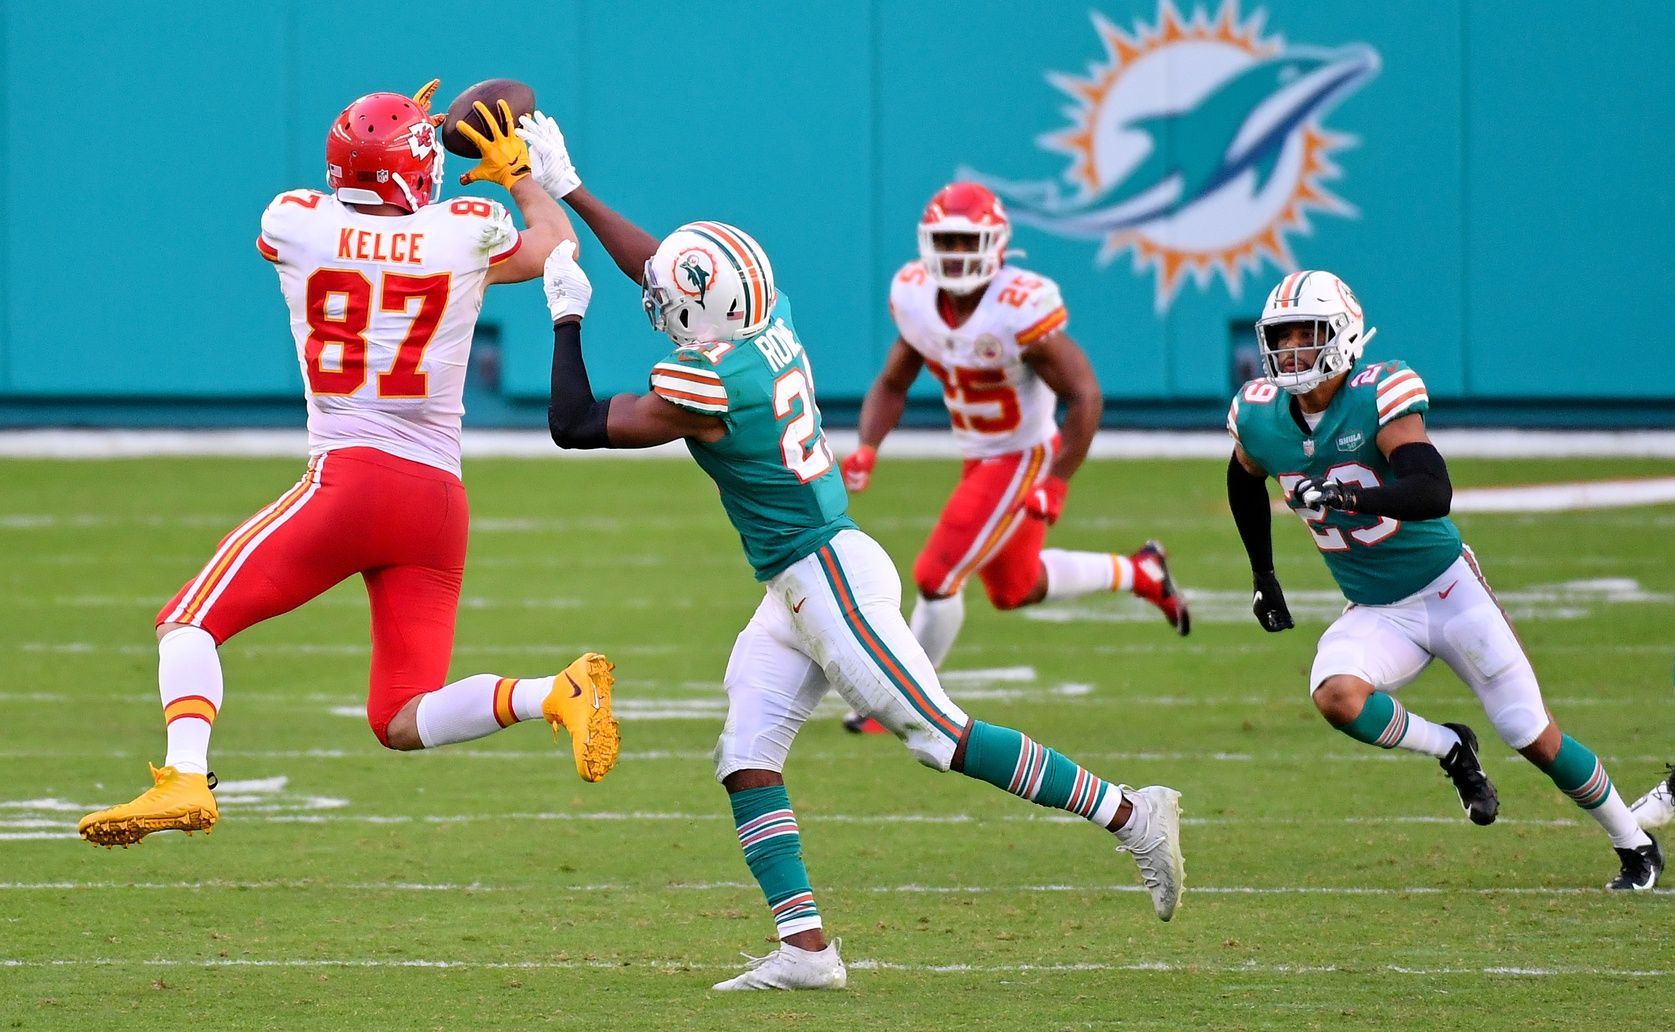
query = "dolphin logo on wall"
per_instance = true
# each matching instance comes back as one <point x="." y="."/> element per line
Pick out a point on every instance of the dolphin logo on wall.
<point x="1198" y="145"/>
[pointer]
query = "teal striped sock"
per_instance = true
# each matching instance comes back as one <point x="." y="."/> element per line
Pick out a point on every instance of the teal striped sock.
<point x="1386" y="723"/>
<point x="1580" y="775"/>
<point x="774" y="852"/>
<point x="1011" y="760"/>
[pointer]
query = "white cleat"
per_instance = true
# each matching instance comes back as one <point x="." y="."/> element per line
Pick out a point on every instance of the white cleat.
<point x="791" y="968"/>
<point x="1657" y="807"/>
<point x="1154" y="838"/>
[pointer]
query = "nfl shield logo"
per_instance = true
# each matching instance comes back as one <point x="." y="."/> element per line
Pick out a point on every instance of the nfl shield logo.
<point x="1308" y="448"/>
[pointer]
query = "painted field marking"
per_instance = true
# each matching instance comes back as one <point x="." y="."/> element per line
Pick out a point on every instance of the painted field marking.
<point x="1566" y="600"/>
<point x="286" y="885"/>
<point x="904" y="443"/>
<point x="34" y="821"/>
<point x="632" y="965"/>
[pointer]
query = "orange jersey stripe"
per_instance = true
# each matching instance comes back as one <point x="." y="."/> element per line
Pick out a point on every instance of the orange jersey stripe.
<point x="1054" y="319"/>
<point x="189" y="706"/>
<point x="708" y="379"/>
<point x="231" y="551"/>
<point x="1036" y="456"/>
<point x="503" y="713"/>
<point x="674" y="395"/>
<point x="1416" y="391"/>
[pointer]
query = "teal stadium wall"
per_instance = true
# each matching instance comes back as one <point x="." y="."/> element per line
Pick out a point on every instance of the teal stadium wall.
<point x="1506" y="202"/>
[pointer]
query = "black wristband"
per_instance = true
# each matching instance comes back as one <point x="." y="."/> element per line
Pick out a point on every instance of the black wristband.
<point x="574" y="418"/>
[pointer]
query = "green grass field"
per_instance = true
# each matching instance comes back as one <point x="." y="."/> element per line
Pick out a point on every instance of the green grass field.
<point x="482" y="886"/>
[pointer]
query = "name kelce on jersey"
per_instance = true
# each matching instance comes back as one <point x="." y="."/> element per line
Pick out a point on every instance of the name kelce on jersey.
<point x="365" y="245"/>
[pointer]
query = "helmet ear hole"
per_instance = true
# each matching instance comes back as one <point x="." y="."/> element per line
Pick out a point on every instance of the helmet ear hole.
<point x="685" y="319"/>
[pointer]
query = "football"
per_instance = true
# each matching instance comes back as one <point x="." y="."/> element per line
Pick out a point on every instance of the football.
<point x="518" y="96"/>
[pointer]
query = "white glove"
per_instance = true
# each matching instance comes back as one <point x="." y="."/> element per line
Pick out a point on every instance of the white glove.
<point x="549" y="159"/>
<point x="567" y="286"/>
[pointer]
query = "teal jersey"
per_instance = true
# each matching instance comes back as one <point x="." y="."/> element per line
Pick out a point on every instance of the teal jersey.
<point x="1376" y="560"/>
<point x="774" y="469"/>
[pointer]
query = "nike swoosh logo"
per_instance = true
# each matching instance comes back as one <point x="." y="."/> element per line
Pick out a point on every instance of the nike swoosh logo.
<point x="578" y="692"/>
<point x="799" y="606"/>
<point x="1444" y="592"/>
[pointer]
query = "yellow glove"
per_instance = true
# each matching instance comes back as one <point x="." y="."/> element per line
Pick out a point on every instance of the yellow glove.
<point x="422" y="98"/>
<point x="505" y="156"/>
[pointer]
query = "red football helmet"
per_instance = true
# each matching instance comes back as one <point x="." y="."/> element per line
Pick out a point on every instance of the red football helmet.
<point x="384" y="149"/>
<point x="962" y="237"/>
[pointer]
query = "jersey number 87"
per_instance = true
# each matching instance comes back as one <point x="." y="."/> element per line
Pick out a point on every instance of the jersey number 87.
<point x="348" y="330"/>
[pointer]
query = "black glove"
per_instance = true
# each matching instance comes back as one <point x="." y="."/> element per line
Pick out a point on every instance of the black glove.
<point x="1323" y="494"/>
<point x="1268" y="603"/>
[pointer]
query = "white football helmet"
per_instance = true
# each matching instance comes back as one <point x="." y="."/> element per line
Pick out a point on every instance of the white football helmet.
<point x="963" y="210"/>
<point x="1340" y="334"/>
<point x="708" y="281"/>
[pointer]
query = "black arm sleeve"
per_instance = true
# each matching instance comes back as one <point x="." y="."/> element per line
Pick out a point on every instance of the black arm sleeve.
<point x="574" y="418"/>
<point x="1421" y="490"/>
<point x="1247" y="496"/>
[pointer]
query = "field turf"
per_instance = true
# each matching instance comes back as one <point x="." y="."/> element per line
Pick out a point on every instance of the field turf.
<point x="483" y="886"/>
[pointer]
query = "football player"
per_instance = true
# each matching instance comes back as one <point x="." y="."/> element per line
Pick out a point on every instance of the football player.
<point x="738" y="389"/>
<point x="1347" y="444"/>
<point x="384" y="280"/>
<point x="993" y="334"/>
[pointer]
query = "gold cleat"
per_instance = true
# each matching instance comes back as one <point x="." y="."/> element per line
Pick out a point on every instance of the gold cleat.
<point x="581" y="702"/>
<point x="175" y="802"/>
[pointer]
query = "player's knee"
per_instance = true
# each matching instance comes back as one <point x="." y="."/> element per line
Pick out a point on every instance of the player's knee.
<point x="1010" y="596"/>
<point x="928" y="574"/>
<point x="1339" y="698"/>
<point x="933" y="750"/>
<point x="732" y="755"/>
<point x="1521" y="727"/>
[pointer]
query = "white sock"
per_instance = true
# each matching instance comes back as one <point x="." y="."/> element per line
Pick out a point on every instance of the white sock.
<point x="1618" y="821"/>
<point x="1074" y="574"/>
<point x="1428" y="737"/>
<point x="936" y="623"/>
<point x="189" y="681"/>
<point x="477" y="706"/>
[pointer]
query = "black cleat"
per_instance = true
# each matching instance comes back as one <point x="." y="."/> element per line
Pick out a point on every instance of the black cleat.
<point x="1477" y="793"/>
<point x="1641" y="867"/>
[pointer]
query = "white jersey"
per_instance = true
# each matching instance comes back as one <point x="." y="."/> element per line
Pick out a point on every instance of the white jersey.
<point x="996" y="402"/>
<point x="383" y="309"/>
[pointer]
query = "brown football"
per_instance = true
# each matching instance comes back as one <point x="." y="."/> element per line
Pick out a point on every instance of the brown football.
<point x="517" y="95"/>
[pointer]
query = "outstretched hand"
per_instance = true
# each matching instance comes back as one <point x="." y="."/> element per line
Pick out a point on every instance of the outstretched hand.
<point x="548" y="156"/>
<point x="505" y="156"/>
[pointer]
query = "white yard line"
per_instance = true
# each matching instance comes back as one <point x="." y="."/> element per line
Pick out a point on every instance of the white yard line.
<point x="929" y="443"/>
<point x="306" y="885"/>
<point x="38" y="827"/>
<point x="631" y="965"/>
